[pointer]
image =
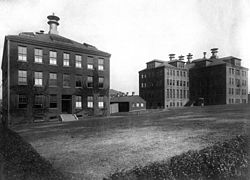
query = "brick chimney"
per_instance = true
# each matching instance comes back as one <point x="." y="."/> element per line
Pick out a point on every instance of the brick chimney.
<point x="204" y="55"/>
<point x="214" y="52"/>
<point x="53" y="23"/>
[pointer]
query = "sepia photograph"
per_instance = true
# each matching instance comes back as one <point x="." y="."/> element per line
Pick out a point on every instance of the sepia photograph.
<point x="124" y="90"/>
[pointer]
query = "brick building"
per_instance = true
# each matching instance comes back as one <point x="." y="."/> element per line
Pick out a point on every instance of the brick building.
<point x="206" y="81"/>
<point x="45" y="75"/>
<point x="165" y="84"/>
<point x="218" y="80"/>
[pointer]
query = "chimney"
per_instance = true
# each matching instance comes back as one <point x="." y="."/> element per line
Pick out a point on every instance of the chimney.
<point x="53" y="23"/>
<point x="171" y="57"/>
<point x="204" y="55"/>
<point x="181" y="58"/>
<point x="133" y="93"/>
<point x="126" y="93"/>
<point x="189" y="57"/>
<point x="214" y="52"/>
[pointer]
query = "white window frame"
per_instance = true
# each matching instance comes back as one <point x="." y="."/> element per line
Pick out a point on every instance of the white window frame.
<point x="90" y="65"/>
<point x="38" y="53"/>
<point x="101" y="64"/>
<point x="90" y="103"/>
<point x="66" y="59"/>
<point x="38" y="78"/>
<point x="78" y="61"/>
<point x="22" y="77"/>
<point x="52" y="57"/>
<point x="22" y="53"/>
<point x="78" y="102"/>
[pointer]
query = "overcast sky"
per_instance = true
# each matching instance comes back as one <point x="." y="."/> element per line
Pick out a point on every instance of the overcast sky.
<point x="137" y="31"/>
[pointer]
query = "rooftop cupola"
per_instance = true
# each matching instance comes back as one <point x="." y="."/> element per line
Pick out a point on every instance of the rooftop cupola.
<point x="189" y="57"/>
<point x="171" y="56"/>
<point x="53" y="23"/>
<point x="214" y="52"/>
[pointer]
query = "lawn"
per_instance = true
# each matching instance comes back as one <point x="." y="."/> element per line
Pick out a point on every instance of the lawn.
<point x="95" y="147"/>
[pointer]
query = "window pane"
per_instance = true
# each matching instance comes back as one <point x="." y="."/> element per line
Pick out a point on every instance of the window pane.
<point x="100" y="102"/>
<point x="38" y="55"/>
<point x="52" y="79"/>
<point x="66" y="80"/>
<point x="52" y="57"/>
<point x="38" y="78"/>
<point x="78" y="102"/>
<point x="90" y="62"/>
<point x="53" y="101"/>
<point x="90" y="81"/>
<point x="65" y="59"/>
<point x="78" y="81"/>
<point x="78" y="61"/>
<point x="22" y="53"/>
<point x="22" y="101"/>
<point x="101" y="64"/>
<point x="90" y="101"/>
<point x="100" y="82"/>
<point x="22" y="77"/>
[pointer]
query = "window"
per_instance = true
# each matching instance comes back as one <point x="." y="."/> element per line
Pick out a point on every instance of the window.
<point x="78" y="81"/>
<point x="22" y="53"/>
<point x="177" y="83"/>
<point x="38" y="55"/>
<point x="90" y="82"/>
<point x="100" y="102"/>
<point x="90" y="101"/>
<point x="22" y="77"/>
<point x="142" y="105"/>
<point x="167" y="81"/>
<point x="39" y="100"/>
<point x="177" y="72"/>
<point x="90" y="63"/>
<point x="173" y="93"/>
<point x="237" y="72"/>
<point x="65" y="59"/>
<point x="184" y="73"/>
<point x="137" y="104"/>
<point x="100" y="64"/>
<point x="184" y="94"/>
<point x="52" y="57"/>
<point x="237" y="81"/>
<point x="181" y="73"/>
<point x="78" y="61"/>
<point x="66" y="80"/>
<point x="173" y="72"/>
<point x="22" y="101"/>
<point x="173" y="82"/>
<point x="38" y="78"/>
<point x="170" y="93"/>
<point x="184" y="83"/>
<point x="237" y="91"/>
<point x="181" y="93"/>
<point x="167" y="93"/>
<point x="100" y="82"/>
<point x="53" y="101"/>
<point x="78" y="101"/>
<point x="177" y="93"/>
<point x="52" y="79"/>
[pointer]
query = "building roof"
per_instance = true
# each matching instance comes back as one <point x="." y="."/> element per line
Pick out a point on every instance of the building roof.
<point x="54" y="39"/>
<point x="217" y="61"/>
<point x="134" y="98"/>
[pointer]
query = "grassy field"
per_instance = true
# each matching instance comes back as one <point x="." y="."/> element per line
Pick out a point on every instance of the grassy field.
<point x="95" y="147"/>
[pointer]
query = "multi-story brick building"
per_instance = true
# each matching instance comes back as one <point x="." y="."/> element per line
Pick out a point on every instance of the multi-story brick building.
<point x="45" y="74"/>
<point x="204" y="81"/>
<point x="165" y="84"/>
<point x="218" y="80"/>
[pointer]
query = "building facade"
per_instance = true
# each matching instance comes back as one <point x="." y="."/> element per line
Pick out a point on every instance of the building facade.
<point x="45" y="75"/>
<point x="218" y="80"/>
<point x="205" y="81"/>
<point x="164" y="84"/>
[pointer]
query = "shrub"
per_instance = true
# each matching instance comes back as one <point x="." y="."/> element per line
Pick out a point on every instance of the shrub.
<point x="227" y="160"/>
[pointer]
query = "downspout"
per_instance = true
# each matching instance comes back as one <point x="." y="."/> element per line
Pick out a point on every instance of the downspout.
<point x="8" y="57"/>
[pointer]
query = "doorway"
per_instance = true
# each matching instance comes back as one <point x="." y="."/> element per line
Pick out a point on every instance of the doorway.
<point x="67" y="104"/>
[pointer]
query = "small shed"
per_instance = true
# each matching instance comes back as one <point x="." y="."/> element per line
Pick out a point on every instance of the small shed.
<point x="128" y="103"/>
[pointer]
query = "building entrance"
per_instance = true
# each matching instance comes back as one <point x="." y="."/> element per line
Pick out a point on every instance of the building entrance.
<point x="67" y="104"/>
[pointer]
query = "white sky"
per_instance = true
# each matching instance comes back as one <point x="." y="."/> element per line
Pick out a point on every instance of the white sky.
<point x="137" y="31"/>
